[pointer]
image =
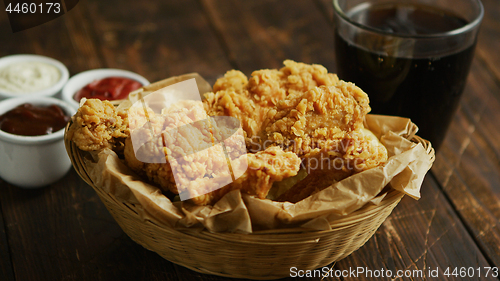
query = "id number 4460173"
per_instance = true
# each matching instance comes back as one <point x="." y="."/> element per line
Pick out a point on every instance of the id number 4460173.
<point x="471" y="272"/>
<point x="33" y="8"/>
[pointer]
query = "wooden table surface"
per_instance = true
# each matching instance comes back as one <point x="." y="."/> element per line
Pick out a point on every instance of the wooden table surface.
<point x="64" y="232"/>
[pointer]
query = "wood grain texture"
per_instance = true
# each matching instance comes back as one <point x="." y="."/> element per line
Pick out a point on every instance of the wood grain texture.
<point x="489" y="39"/>
<point x="185" y="274"/>
<point x="419" y="236"/>
<point x="468" y="169"/>
<point x="157" y="39"/>
<point x="5" y="259"/>
<point x="68" y="39"/>
<point x="64" y="232"/>
<point x="261" y="34"/>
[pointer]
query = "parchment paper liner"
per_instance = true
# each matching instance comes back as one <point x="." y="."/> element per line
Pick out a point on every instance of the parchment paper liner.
<point x="404" y="171"/>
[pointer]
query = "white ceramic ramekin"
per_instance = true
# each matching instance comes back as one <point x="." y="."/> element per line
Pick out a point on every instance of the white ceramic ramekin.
<point x="51" y="91"/>
<point x="33" y="161"/>
<point x="77" y="82"/>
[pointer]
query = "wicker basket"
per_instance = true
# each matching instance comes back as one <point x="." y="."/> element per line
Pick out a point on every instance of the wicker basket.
<point x="261" y="255"/>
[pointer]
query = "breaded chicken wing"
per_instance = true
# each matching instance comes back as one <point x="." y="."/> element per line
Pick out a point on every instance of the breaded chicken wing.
<point x="97" y="125"/>
<point x="320" y="117"/>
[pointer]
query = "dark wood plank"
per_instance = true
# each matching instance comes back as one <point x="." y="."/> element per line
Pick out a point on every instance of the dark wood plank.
<point x="66" y="39"/>
<point x="6" y="269"/>
<point x="157" y="39"/>
<point x="6" y="32"/>
<point x="489" y="38"/>
<point x="469" y="167"/>
<point x="419" y="236"/>
<point x="64" y="232"/>
<point x="327" y="7"/>
<point x="261" y="34"/>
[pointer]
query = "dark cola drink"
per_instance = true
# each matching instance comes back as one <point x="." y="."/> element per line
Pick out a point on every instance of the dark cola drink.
<point x="407" y="75"/>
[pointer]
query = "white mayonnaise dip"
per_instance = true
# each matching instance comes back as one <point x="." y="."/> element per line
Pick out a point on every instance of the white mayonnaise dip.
<point x="27" y="77"/>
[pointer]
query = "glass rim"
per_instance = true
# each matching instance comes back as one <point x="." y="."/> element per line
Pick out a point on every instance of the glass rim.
<point x="471" y="25"/>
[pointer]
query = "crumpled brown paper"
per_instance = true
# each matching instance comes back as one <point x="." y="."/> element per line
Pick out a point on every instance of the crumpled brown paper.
<point x="404" y="171"/>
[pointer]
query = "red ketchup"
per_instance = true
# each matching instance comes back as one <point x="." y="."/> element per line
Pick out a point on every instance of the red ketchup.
<point x="30" y="120"/>
<point x="111" y="88"/>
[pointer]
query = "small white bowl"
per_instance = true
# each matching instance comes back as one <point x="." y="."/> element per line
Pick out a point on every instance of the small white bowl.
<point x="33" y="161"/>
<point x="80" y="80"/>
<point x="51" y="91"/>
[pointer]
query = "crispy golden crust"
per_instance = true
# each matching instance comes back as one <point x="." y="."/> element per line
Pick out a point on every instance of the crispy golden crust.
<point x="264" y="168"/>
<point x="269" y="86"/>
<point x="155" y="143"/>
<point x="324" y="126"/>
<point x="232" y="80"/>
<point x="239" y="105"/>
<point x="97" y="125"/>
<point x="249" y="100"/>
<point x="316" y="118"/>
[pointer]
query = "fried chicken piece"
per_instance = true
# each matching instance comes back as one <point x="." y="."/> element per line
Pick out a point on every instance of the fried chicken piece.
<point x="239" y="105"/>
<point x="320" y="117"/>
<point x="264" y="168"/>
<point x="97" y="125"/>
<point x="168" y="133"/>
<point x="201" y="158"/>
<point x="269" y="86"/>
<point x="324" y="127"/>
<point x="360" y="150"/>
<point x="232" y="80"/>
<point x="310" y="185"/>
<point x="159" y="172"/>
<point x="250" y="99"/>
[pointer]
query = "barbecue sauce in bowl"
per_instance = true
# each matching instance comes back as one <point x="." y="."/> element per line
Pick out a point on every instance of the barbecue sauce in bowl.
<point x="31" y="120"/>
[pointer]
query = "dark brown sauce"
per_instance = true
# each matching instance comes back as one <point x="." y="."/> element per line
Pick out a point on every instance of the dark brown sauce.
<point x="423" y="89"/>
<point x="30" y="120"/>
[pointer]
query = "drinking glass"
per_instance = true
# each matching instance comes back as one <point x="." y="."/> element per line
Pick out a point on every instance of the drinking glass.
<point x="411" y="57"/>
